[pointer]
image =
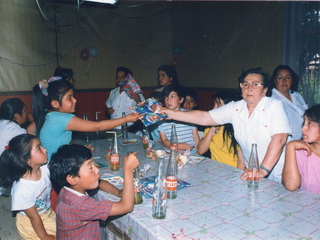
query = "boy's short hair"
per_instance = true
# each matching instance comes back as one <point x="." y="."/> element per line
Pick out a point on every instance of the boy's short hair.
<point x="179" y="89"/>
<point x="67" y="161"/>
<point x="192" y="93"/>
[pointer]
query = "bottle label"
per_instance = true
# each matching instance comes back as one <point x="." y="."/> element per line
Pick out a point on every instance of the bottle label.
<point x="253" y="175"/>
<point x="172" y="183"/>
<point x="173" y="147"/>
<point x="115" y="158"/>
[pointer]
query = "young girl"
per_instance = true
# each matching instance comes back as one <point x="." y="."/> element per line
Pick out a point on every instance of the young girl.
<point x="302" y="161"/>
<point x="22" y="167"/>
<point x="12" y="114"/>
<point x="53" y="108"/>
<point x="220" y="139"/>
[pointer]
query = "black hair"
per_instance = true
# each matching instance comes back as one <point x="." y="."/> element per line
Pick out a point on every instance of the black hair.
<point x="67" y="161"/>
<point x="125" y="70"/>
<point x="10" y="107"/>
<point x="265" y="76"/>
<point x="313" y="114"/>
<point x="179" y="89"/>
<point x="157" y="96"/>
<point x="228" y="132"/>
<point x="171" y="72"/>
<point x="64" y="73"/>
<point x="41" y="104"/>
<point x="14" y="159"/>
<point x="295" y="78"/>
<point x="192" y="93"/>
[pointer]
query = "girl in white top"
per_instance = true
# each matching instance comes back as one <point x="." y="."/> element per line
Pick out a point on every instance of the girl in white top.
<point x="283" y="86"/>
<point x="22" y="165"/>
<point x="12" y="114"/>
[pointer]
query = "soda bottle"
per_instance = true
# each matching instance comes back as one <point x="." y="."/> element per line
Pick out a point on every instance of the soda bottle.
<point x="115" y="157"/>
<point x="253" y="168"/>
<point x="124" y="127"/>
<point x="172" y="176"/>
<point x="159" y="201"/>
<point x="145" y="139"/>
<point x="137" y="183"/>
<point x="173" y="139"/>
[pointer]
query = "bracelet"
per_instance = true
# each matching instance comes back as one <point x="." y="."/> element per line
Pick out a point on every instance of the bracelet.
<point x="263" y="168"/>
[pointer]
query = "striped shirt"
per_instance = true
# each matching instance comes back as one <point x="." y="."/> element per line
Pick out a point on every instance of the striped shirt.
<point x="184" y="132"/>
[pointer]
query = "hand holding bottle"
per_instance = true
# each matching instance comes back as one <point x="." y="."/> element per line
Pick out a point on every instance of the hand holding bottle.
<point x="131" y="161"/>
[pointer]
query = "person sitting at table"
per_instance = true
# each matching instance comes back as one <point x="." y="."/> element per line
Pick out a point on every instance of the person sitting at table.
<point x="255" y="119"/>
<point x="302" y="162"/>
<point x="283" y="86"/>
<point x="72" y="168"/>
<point x="118" y="101"/>
<point x="191" y="100"/>
<point x="53" y="106"/>
<point x="188" y="137"/>
<point x="167" y="74"/>
<point x="220" y="139"/>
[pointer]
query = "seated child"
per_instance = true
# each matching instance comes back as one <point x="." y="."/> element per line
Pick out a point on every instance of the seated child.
<point x="188" y="137"/>
<point x="13" y="115"/>
<point x="22" y="166"/>
<point x="220" y="140"/>
<point x="302" y="161"/>
<point x="191" y="100"/>
<point x="72" y="167"/>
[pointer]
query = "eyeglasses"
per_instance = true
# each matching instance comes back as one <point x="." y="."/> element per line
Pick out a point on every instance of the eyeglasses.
<point x="254" y="85"/>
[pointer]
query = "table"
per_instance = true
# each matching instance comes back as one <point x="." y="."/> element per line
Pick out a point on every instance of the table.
<point x="218" y="206"/>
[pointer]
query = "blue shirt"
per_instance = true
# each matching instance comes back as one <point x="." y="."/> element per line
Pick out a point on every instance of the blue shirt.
<point x="53" y="133"/>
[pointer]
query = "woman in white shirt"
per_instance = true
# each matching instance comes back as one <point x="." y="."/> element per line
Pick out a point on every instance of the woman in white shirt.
<point x="284" y="86"/>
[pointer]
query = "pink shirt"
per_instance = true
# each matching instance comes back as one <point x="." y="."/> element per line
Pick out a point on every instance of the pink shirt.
<point x="309" y="171"/>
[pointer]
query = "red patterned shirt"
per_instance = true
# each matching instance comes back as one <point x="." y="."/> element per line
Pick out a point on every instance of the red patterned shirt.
<point x="78" y="216"/>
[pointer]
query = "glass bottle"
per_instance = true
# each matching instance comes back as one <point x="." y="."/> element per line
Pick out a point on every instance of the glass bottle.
<point x="172" y="176"/>
<point x="173" y="139"/>
<point x="145" y="139"/>
<point x="159" y="201"/>
<point x="137" y="183"/>
<point x="124" y="127"/>
<point x="253" y="168"/>
<point x="115" y="157"/>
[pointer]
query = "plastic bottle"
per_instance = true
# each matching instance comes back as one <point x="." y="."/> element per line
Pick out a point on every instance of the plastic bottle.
<point x="173" y="139"/>
<point x="115" y="157"/>
<point x="159" y="201"/>
<point x="172" y="176"/>
<point x="137" y="194"/>
<point x="124" y="127"/>
<point x="253" y="168"/>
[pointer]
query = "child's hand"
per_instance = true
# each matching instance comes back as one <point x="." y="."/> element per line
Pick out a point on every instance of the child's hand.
<point x="299" y="145"/>
<point x="133" y="117"/>
<point x="185" y="146"/>
<point x="49" y="237"/>
<point x="131" y="161"/>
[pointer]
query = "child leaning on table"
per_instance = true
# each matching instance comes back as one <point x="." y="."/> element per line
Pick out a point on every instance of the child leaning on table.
<point x="22" y="166"/>
<point x="72" y="167"/>
<point x="302" y="159"/>
<point x="188" y="138"/>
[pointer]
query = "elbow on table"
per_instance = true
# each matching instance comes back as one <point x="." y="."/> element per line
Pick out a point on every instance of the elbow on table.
<point x="291" y="187"/>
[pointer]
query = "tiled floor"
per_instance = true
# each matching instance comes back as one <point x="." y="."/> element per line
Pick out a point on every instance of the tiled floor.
<point x="7" y="222"/>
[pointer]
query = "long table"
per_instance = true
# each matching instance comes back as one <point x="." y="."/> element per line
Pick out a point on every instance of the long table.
<point x="218" y="206"/>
